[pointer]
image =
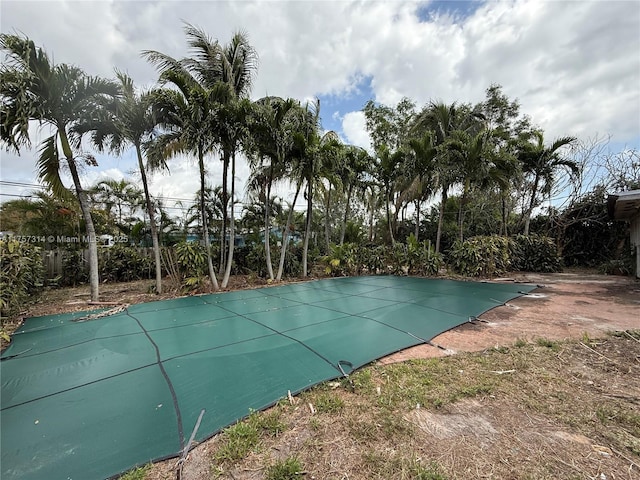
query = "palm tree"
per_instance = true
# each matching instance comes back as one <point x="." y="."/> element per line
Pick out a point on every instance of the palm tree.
<point x="309" y="152"/>
<point x="218" y="69"/>
<point x="388" y="172"/>
<point x="273" y="126"/>
<point x="33" y="88"/>
<point x="542" y="162"/>
<point x="352" y="173"/>
<point x="443" y="120"/>
<point x="331" y="162"/>
<point x="472" y="155"/>
<point x="130" y="122"/>
<point x="188" y="113"/>
<point x="423" y="159"/>
<point x="238" y="64"/>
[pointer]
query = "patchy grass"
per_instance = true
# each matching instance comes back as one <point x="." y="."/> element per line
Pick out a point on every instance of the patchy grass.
<point x="543" y="410"/>
<point x="289" y="469"/>
<point x="137" y="473"/>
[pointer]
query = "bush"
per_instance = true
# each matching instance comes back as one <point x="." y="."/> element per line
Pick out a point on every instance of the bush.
<point x="487" y="256"/>
<point x="480" y="256"/>
<point x="422" y="259"/>
<point x="74" y="270"/>
<point x="534" y="253"/>
<point x="21" y="274"/>
<point x="341" y="260"/>
<point x="124" y="264"/>
<point x="372" y="258"/>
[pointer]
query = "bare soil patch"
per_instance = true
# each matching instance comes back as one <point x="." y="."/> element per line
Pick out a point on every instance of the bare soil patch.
<point x="567" y="305"/>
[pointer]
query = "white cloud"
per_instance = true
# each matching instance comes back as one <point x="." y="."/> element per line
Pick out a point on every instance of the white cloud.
<point x="355" y="131"/>
<point x="574" y="66"/>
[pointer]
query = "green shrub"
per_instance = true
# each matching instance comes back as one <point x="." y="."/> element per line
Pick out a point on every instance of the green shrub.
<point x="534" y="253"/>
<point x="124" y="264"/>
<point x="75" y="270"/>
<point x="483" y="256"/>
<point x="372" y="258"/>
<point x="422" y="259"/>
<point x="251" y="259"/>
<point x="21" y="274"/>
<point x="341" y="260"/>
<point x="191" y="263"/>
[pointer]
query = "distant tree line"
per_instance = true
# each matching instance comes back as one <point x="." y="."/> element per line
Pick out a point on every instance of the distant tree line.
<point x="440" y="173"/>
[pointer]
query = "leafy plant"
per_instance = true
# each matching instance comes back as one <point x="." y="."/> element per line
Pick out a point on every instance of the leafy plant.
<point x="341" y="260"/>
<point x="191" y="260"/>
<point x="74" y="267"/>
<point x="21" y="274"/>
<point x="483" y="256"/>
<point x="534" y="253"/>
<point x="372" y="258"/>
<point x="124" y="264"/>
<point x="422" y="258"/>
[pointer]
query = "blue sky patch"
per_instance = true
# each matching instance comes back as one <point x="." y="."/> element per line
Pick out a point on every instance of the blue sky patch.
<point x="458" y="9"/>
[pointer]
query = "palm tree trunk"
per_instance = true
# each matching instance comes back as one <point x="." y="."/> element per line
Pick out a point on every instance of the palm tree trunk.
<point x="387" y="200"/>
<point x="463" y="201"/>
<point x="441" y="216"/>
<point x="267" y="224"/>
<point x="307" y="232"/>
<point x="94" y="280"/>
<point x="504" y="212"/>
<point x="326" y="219"/>
<point x="534" y="192"/>
<point x="205" y="227"/>
<point x="232" y="224"/>
<point x="223" y="234"/>
<point x="346" y="214"/>
<point x="152" y="221"/>
<point x="371" y="214"/>
<point x="417" y="219"/>
<point x="285" y="236"/>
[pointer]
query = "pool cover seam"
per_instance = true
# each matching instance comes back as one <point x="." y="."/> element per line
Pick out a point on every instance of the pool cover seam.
<point x="290" y="338"/>
<point x="174" y="397"/>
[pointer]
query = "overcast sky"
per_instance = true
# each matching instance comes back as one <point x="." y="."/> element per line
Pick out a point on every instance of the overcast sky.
<point x="573" y="65"/>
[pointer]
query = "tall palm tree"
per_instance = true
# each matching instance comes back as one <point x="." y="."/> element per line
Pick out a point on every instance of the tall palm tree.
<point x="388" y="173"/>
<point x="443" y="120"/>
<point x="273" y="126"/>
<point x="189" y="114"/>
<point x="310" y="150"/>
<point x="472" y="155"/>
<point x="216" y="68"/>
<point x="58" y="95"/>
<point x="130" y="122"/>
<point x="541" y="163"/>
<point x="423" y="167"/>
<point x="234" y="65"/>
<point x="352" y="173"/>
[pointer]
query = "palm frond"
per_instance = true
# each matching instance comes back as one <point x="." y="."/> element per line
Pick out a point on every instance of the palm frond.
<point x="48" y="166"/>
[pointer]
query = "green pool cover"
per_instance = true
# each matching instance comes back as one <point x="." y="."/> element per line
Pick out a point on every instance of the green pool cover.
<point x="89" y="400"/>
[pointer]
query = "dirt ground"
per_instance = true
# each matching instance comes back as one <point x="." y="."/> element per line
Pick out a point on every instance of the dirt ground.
<point x="567" y="305"/>
<point x="517" y="407"/>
